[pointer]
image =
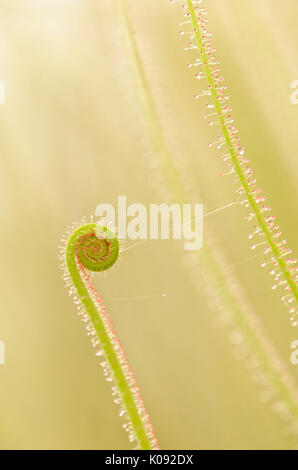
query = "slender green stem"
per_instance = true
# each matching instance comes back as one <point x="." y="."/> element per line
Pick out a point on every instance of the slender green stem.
<point x="150" y="113"/>
<point x="119" y="371"/>
<point x="225" y="131"/>
<point x="223" y="284"/>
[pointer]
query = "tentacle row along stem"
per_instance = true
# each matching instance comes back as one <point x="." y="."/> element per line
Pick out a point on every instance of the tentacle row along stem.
<point x="253" y="199"/>
<point x="221" y="283"/>
<point x="94" y="247"/>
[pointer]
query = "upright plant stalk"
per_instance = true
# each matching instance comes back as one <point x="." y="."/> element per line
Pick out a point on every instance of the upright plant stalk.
<point x="150" y="113"/>
<point x="282" y="266"/>
<point x="221" y="284"/>
<point x="95" y="248"/>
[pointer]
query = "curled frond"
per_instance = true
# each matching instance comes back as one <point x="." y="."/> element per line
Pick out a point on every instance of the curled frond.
<point x="92" y="247"/>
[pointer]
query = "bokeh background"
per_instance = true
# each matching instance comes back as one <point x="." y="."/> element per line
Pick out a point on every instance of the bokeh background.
<point x="72" y="136"/>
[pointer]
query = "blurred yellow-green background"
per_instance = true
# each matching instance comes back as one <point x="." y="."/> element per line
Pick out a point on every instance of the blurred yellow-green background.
<point x="72" y="136"/>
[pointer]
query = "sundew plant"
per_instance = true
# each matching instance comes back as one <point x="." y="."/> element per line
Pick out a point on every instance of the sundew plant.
<point x="157" y="327"/>
<point x="266" y="232"/>
<point x="93" y="247"/>
<point x="220" y="284"/>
